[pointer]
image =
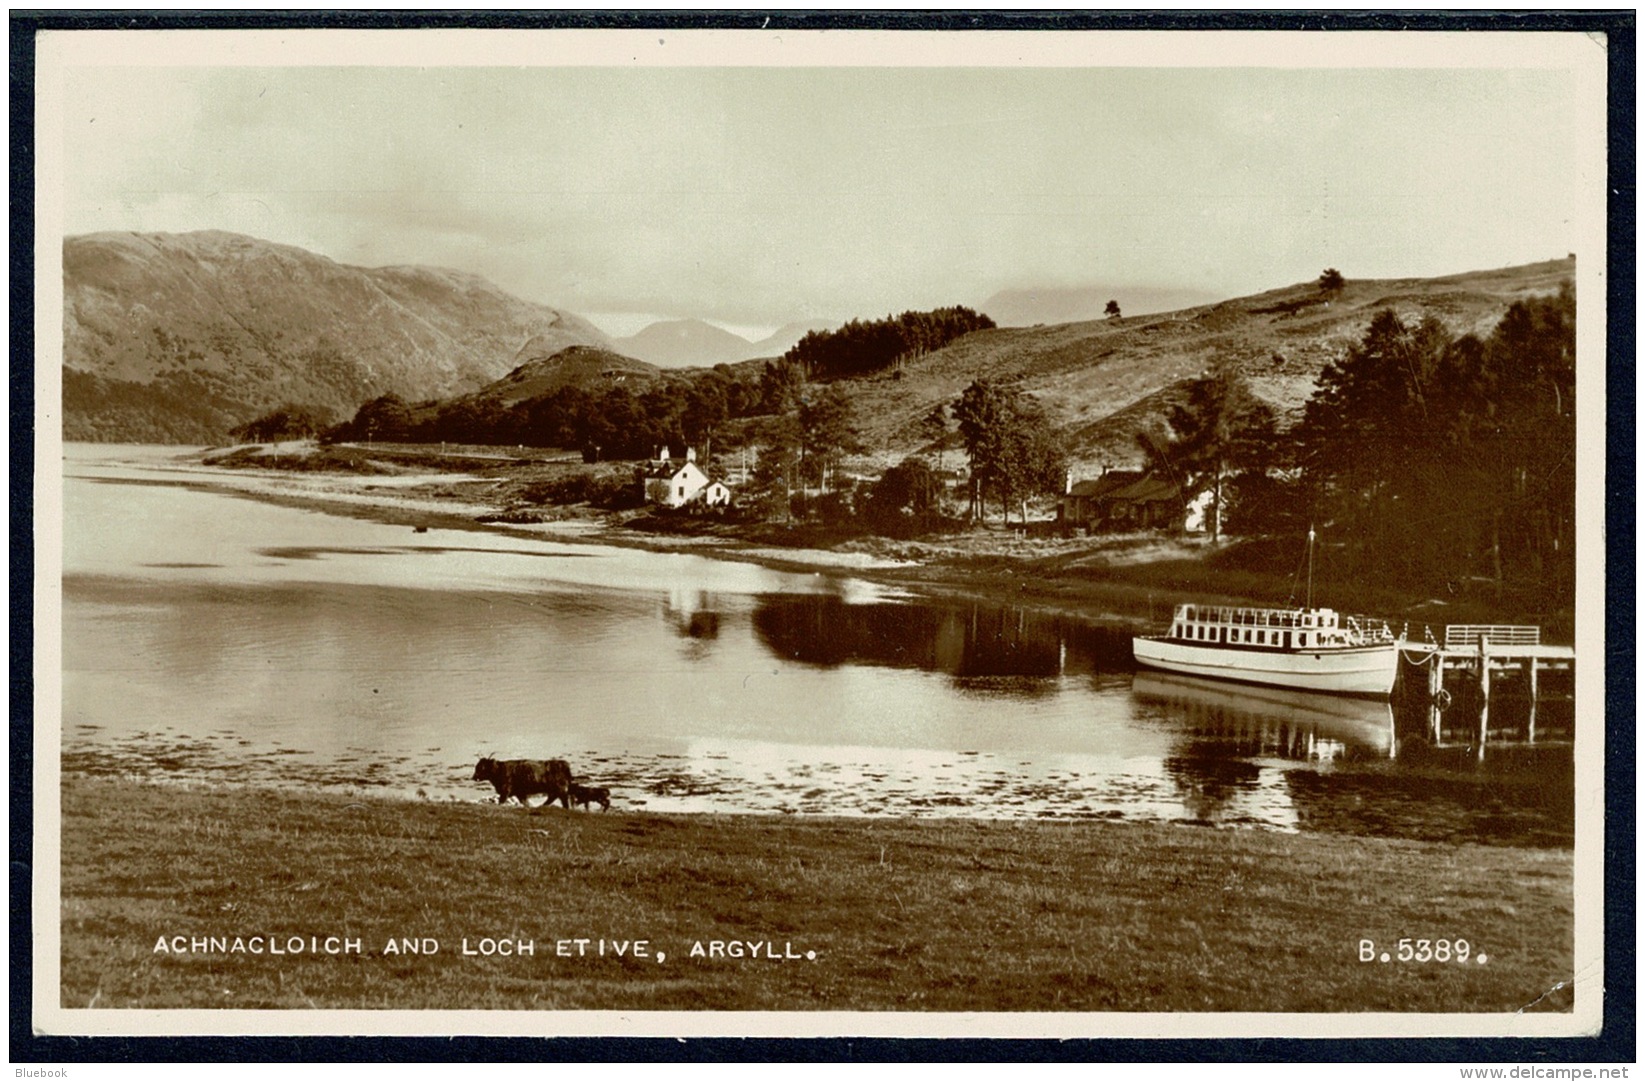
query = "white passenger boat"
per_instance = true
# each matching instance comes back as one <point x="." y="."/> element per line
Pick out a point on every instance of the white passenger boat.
<point x="1306" y="649"/>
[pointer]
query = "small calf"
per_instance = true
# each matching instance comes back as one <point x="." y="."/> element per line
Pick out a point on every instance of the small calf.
<point x="585" y="795"/>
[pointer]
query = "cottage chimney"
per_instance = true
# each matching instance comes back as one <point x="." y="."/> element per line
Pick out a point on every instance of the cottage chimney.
<point x="664" y="456"/>
<point x="691" y="454"/>
<point x="1067" y="482"/>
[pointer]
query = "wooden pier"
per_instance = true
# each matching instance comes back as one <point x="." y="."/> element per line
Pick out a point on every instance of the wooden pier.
<point x="1474" y="655"/>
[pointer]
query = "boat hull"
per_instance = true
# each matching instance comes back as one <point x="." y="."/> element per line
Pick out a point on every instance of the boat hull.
<point x="1366" y="671"/>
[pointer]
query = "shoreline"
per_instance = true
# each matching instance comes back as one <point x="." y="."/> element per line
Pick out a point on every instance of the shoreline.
<point x="1518" y="803"/>
<point x="1131" y="582"/>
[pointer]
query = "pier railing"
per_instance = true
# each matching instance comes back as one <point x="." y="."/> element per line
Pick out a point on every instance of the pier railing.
<point x="1460" y="635"/>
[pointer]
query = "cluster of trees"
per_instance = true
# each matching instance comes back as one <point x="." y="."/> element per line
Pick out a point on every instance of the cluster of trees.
<point x="1452" y="455"/>
<point x="1220" y="437"/>
<point x="801" y="449"/>
<point x="860" y="348"/>
<point x="1434" y="458"/>
<point x="288" y="422"/>
<point x="1014" y="451"/>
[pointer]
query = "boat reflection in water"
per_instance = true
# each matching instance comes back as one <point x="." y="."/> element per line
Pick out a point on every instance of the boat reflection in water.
<point x="1237" y="746"/>
<point x="1263" y="722"/>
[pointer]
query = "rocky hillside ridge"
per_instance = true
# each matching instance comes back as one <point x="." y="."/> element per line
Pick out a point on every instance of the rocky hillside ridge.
<point x="177" y="337"/>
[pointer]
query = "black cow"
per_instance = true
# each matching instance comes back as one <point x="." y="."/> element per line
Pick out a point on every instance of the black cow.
<point x="520" y="778"/>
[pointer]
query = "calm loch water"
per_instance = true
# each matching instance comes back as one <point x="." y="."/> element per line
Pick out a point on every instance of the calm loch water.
<point x="210" y="636"/>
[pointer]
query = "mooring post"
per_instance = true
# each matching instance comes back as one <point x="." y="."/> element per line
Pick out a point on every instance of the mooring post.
<point x="1530" y="676"/>
<point x="1484" y="693"/>
<point x="1436" y="684"/>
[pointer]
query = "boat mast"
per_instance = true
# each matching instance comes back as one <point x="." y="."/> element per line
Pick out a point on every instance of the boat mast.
<point x="1310" y="565"/>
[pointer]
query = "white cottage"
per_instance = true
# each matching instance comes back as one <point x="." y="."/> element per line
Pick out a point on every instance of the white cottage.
<point x="673" y="482"/>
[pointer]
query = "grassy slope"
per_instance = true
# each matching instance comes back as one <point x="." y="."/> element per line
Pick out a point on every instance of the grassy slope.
<point x="1088" y="374"/>
<point x="946" y="915"/>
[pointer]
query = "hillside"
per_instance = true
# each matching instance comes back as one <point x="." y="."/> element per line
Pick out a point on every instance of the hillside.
<point x="178" y="337"/>
<point x="1026" y="307"/>
<point x="585" y="366"/>
<point x="1102" y="380"/>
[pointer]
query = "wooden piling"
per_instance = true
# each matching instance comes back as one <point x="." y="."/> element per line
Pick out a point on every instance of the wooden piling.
<point x="1530" y="721"/>
<point x="1436" y="684"/>
<point x="1484" y="693"/>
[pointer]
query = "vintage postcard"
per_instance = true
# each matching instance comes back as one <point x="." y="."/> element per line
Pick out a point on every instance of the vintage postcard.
<point x="792" y="532"/>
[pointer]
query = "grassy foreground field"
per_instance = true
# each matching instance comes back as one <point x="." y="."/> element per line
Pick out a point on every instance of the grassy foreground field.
<point x="954" y="915"/>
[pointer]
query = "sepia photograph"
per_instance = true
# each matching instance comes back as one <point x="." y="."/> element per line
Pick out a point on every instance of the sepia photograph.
<point x="790" y="532"/>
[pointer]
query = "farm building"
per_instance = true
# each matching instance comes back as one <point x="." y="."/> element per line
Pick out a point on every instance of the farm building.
<point x="1122" y="500"/>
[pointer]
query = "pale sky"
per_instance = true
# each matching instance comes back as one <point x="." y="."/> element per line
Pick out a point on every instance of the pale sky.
<point x="759" y="195"/>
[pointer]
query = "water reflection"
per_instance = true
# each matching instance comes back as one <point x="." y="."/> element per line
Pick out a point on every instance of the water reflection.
<point x="974" y="643"/>
<point x="1208" y="780"/>
<point x="695" y="617"/>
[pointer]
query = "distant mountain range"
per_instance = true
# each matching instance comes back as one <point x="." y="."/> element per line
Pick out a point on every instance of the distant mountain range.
<point x="692" y="343"/>
<point x="1030" y="307"/>
<point x="177" y="337"/>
